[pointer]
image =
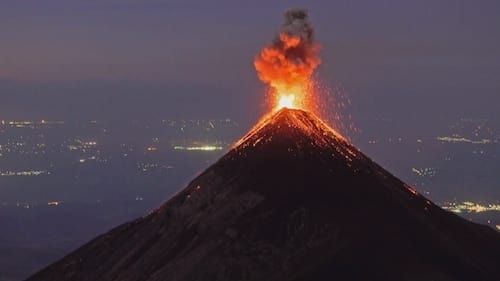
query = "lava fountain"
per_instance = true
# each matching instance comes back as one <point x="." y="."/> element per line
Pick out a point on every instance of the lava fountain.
<point x="288" y="63"/>
<point x="287" y="66"/>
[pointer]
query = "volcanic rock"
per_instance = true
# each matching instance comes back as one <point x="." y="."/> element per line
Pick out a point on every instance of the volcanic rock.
<point x="293" y="200"/>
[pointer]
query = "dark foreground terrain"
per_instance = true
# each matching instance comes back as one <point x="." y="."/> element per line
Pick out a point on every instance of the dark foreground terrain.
<point x="292" y="200"/>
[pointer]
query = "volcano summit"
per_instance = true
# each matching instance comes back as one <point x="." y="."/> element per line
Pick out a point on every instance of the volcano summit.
<point x="293" y="200"/>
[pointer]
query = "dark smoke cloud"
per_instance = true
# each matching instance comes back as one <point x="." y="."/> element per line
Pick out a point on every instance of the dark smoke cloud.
<point x="293" y="55"/>
<point x="297" y="24"/>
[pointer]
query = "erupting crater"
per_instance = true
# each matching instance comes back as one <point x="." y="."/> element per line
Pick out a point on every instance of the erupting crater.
<point x="293" y="201"/>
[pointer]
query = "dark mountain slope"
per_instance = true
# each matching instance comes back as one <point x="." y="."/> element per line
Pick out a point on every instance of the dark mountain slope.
<point x="292" y="201"/>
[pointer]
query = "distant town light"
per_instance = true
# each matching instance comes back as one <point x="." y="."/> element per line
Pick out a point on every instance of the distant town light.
<point x="199" y="148"/>
<point x="471" y="207"/>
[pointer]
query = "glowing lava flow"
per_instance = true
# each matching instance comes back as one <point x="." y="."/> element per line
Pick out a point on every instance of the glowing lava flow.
<point x="288" y="63"/>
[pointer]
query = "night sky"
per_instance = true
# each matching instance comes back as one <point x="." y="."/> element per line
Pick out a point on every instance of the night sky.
<point x="413" y="61"/>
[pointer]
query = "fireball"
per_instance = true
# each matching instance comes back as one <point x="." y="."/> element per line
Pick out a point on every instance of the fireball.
<point x="287" y="65"/>
<point x="286" y="101"/>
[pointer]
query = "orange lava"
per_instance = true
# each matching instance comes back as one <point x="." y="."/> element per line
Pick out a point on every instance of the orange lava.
<point x="287" y="101"/>
<point x="287" y="67"/>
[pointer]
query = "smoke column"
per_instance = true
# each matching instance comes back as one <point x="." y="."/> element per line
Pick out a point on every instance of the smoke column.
<point x="288" y="63"/>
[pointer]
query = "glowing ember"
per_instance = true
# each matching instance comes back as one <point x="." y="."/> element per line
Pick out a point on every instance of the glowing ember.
<point x="287" y="65"/>
<point x="286" y="101"/>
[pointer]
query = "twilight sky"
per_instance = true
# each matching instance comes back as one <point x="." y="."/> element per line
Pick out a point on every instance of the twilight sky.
<point x="414" y="61"/>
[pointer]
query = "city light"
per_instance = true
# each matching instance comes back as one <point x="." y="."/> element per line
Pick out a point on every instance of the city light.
<point x="424" y="172"/>
<point x="23" y="173"/>
<point x="471" y="207"/>
<point x="199" y="148"/>
<point x="455" y="139"/>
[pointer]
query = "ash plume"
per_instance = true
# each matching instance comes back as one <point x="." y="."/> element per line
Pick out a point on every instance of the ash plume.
<point x="291" y="58"/>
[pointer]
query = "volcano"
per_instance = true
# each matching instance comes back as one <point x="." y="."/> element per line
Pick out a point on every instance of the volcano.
<point x="293" y="200"/>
